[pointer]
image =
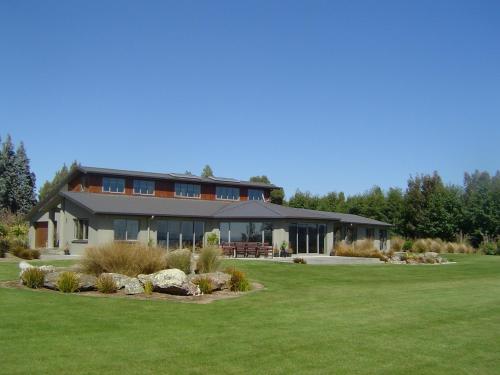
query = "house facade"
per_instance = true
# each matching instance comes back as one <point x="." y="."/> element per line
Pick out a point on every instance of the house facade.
<point x="93" y="206"/>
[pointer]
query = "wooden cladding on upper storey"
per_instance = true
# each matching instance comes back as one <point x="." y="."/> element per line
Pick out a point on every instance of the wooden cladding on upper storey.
<point x="92" y="183"/>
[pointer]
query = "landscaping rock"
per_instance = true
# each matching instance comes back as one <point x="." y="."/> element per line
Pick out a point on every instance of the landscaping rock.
<point x="48" y="268"/>
<point x="23" y="266"/>
<point x="171" y="281"/>
<point x="219" y="280"/>
<point x="131" y="285"/>
<point x="431" y="254"/>
<point x="85" y="283"/>
<point x="50" y="281"/>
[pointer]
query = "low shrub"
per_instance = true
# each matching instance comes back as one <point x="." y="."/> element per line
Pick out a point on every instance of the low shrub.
<point x="437" y="245"/>
<point x="209" y="260"/>
<point x="362" y="248"/>
<point x="238" y="281"/>
<point x="4" y="247"/>
<point x="24" y="253"/>
<point x="33" y="277"/>
<point x="299" y="260"/>
<point x="148" y="288"/>
<point x="420" y="246"/>
<point x="212" y="239"/>
<point x="397" y="243"/>
<point x="342" y="248"/>
<point x="490" y="248"/>
<point x="205" y="285"/>
<point x="449" y="247"/>
<point x="106" y="284"/>
<point x="19" y="230"/>
<point x="180" y="259"/>
<point x="408" y="245"/>
<point x="124" y="258"/>
<point x="67" y="282"/>
<point x="3" y="230"/>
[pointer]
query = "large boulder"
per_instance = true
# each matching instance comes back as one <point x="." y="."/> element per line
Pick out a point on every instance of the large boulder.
<point x="85" y="282"/>
<point x="220" y="280"/>
<point x="131" y="285"/>
<point x="172" y="281"/>
<point x="23" y="266"/>
<point x="48" y="268"/>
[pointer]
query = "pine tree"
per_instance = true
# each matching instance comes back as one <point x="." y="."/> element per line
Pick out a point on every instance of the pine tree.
<point x="24" y="187"/>
<point x="7" y="175"/>
<point x="207" y="171"/>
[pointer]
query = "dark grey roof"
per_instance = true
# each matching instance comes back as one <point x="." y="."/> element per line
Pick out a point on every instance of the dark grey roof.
<point x="174" y="176"/>
<point x="147" y="206"/>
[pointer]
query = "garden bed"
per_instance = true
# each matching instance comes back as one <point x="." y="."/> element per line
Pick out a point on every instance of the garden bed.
<point x="200" y="299"/>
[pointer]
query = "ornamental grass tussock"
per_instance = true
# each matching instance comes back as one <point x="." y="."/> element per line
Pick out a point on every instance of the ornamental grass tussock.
<point x="238" y="281"/>
<point x="106" y="284"/>
<point x="209" y="260"/>
<point x="205" y="284"/>
<point x="33" y="277"/>
<point x="123" y="258"/>
<point x="68" y="282"/>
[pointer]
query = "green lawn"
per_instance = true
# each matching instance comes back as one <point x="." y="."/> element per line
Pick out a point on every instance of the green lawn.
<point x="387" y="319"/>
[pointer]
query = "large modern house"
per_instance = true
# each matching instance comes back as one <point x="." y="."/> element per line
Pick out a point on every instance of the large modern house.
<point x="93" y="206"/>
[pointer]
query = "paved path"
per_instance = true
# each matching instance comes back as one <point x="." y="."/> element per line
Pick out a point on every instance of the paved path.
<point x="321" y="259"/>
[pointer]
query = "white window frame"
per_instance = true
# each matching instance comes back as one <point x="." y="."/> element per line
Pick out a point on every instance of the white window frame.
<point x="262" y="194"/>
<point x="138" y="183"/>
<point x="85" y="229"/>
<point x="227" y="187"/>
<point x="198" y="196"/>
<point x="113" y="179"/>
<point x="126" y="229"/>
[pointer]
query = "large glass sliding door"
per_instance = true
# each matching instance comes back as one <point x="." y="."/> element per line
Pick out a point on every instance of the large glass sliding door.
<point x="173" y="234"/>
<point x="307" y="238"/>
<point x="302" y="238"/>
<point x="246" y="231"/>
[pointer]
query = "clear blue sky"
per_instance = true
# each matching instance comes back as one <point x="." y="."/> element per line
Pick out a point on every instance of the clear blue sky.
<point x="318" y="95"/>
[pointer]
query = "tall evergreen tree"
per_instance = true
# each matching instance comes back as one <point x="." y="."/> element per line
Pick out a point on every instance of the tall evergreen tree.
<point x="24" y="186"/>
<point x="207" y="171"/>
<point x="263" y="179"/>
<point x="7" y="175"/>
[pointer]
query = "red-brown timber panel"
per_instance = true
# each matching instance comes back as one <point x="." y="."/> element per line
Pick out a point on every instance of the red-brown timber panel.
<point x="243" y="194"/>
<point x="41" y="234"/>
<point x="164" y="189"/>
<point x="208" y="192"/>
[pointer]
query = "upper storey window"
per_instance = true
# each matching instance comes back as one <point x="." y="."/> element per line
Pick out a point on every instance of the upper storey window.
<point x="227" y="193"/>
<point x="187" y="190"/>
<point x="144" y="187"/>
<point x="255" y="194"/>
<point x="113" y="185"/>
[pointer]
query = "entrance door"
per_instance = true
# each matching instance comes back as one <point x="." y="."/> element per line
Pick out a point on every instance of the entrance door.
<point x="41" y="234"/>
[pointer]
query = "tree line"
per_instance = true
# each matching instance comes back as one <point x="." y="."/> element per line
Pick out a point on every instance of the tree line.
<point x="426" y="208"/>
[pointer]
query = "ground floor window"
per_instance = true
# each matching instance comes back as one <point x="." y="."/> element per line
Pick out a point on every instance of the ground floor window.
<point x="349" y="233"/>
<point x="81" y="229"/>
<point x="307" y="238"/>
<point x="244" y="231"/>
<point x="370" y="233"/>
<point x="126" y="230"/>
<point x="177" y="234"/>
